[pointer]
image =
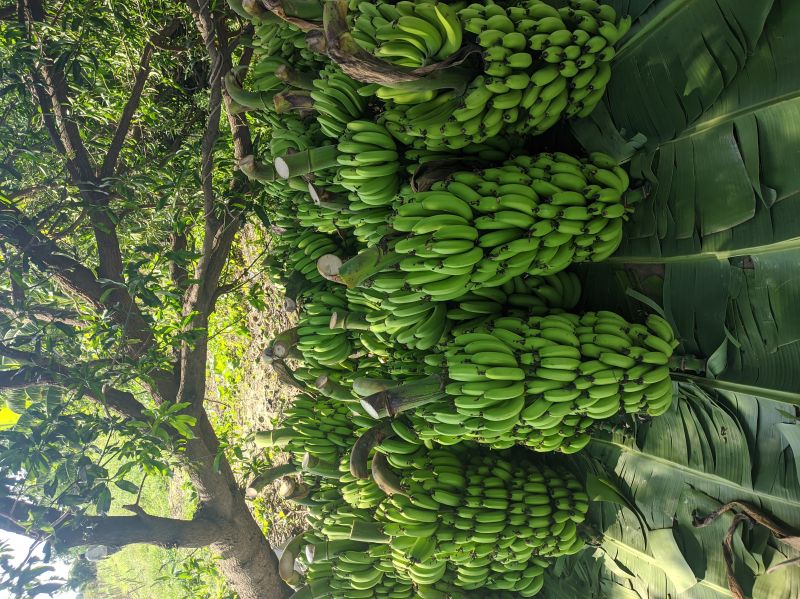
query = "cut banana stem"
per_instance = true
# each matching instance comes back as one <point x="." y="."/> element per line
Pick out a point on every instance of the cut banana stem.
<point x="278" y="437"/>
<point x="369" y="532"/>
<point x="349" y="321"/>
<point x="365" y="264"/>
<point x="268" y="477"/>
<point x="284" y="341"/>
<point x="292" y="490"/>
<point x="317" y="467"/>
<point x="328" y="266"/>
<point x="383" y="476"/>
<point x="307" y="161"/>
<point x="364" y="387"/>
<point x="320" y="552"/>
<point x="390" y="402"/>
<point x="330" y="388"/>
<point x="257" y="171"/>
<point x="286" y="564"/>
<point x="364" y="445"/>
<point x="294" y="77"/>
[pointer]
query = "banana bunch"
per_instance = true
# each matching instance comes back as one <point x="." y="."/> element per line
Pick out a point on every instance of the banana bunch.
<point x="317" y="426"/>
<point x="299" y="250"/>
<point x="544" y="381"/>
<point x="525" y="295"/>
<point x="357" y="571"/>
<point x="369" y="223"/>
<point x="360" y="493"/>
<point x="369" y="163"/>
<point x="292" y="135"/>
<point x="336" y="101"/>
<point x="494" y="523"/>
<point x="280" y="38"/>
<point x="541" y="62"/>
<point x="262" y="74"/>
<point x="534" y="215"/>
<point x="408" y="34"/>
<point x="320" y="344"/>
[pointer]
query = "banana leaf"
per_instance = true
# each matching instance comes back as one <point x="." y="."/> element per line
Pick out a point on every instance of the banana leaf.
<point x="725" y="182"/>
<point x="710" y="448"/>
<point x="671" y="67"/>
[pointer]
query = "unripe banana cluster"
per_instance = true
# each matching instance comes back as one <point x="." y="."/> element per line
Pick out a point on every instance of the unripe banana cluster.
<point x="521" y="296"/>
<point x="408" y="34"/>
<point x="358" y="492"/>
<point x="302" y="249"/>
<point x="336" y="101"/>
<point x="543" y="381"/>
<point x="534" y="215"/>
<point x="493" y="522"/>
<point x="320" y="344"/>
<point x="540" y="65"/>
<point x="360" y="572"/>
<point x="320" y="427"/>
<point x="369" y="161"/>
<point x="271" y="38"/>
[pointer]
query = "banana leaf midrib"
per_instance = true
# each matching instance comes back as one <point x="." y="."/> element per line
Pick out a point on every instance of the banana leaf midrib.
<point x="705" y="476"/>
<point x="700" y="126"/>
<point x="758" y="250"/>
<point x="723" y="385"/>
<point x="646" y="557"/>
<point x="654" y="24"/>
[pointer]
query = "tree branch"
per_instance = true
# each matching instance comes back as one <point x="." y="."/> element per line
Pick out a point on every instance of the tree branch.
<point x="40" y="371"/>
<point x="46" y="313"/>
<point x="110" y="530"/>
<point x="131" y="106"/>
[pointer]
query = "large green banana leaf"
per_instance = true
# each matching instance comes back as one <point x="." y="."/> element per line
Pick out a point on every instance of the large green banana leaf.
<point x="710" y="448"/>
<point x="673" y="64"/>
<point x="728" y="182"/>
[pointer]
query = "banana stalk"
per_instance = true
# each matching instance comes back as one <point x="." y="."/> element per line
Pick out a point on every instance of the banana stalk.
<point x="276" y="438"/>
<point x="292" y="490"/>
<point x="364" y="387"/>
<point x="236" y="6"/>
<point x="294" y="77"/>
<point x="315" y="466"/>
<point x="292" y="100"/>
<point x="254" y="9"/>
<point x="330" y="388"/>
<point x="247" y="100"/>
<point x="364" y="445"/>
<point x="286" y="568"/>
<point x="310" y="10"/>
<point x="266" y="478"/>
<point x="256" y="171"/>
<point x="363" y="265"/>
<point x="383" y="476"/>
<point x="390" y="402"/>
<point x="286" y="374"/>
<point x="283" y="344"/>
<point x="307" y="161"/>
<point x="349" y="321"/>
<point x="369" y="532"/>
<point x="326" y="550"/>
